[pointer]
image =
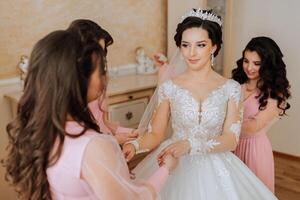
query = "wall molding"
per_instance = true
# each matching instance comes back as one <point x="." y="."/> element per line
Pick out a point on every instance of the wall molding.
<point x="227" y="57"/>
<point x="10" y="81"/>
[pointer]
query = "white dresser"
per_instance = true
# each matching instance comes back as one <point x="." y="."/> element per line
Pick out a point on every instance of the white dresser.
<point x="127" y="98"/>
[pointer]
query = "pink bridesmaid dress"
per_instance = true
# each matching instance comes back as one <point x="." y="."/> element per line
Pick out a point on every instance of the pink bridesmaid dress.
<point x="255" y="149"/>
<point x="92" y="167"/>
<point x="98" y="115"/>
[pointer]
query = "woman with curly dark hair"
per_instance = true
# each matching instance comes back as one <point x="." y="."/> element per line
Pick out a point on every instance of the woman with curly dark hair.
<point x="262" y="74"/>
<point x="56" y="149"/>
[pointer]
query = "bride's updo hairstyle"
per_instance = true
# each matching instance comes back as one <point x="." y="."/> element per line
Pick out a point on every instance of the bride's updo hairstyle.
<point x="204" y="19"/>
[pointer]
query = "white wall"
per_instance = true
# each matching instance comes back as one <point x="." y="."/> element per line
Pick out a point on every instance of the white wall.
<point x="279" y="20"/>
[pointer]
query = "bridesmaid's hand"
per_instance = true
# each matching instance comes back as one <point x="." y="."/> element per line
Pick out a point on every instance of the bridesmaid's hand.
<point x="165" y="71"/>
<point x="160" y="59"/>
<point x="132" y="175"/>
<point x="176" y="149"/>
<point x="128" y="151"/>
<point x="125" y="137"/>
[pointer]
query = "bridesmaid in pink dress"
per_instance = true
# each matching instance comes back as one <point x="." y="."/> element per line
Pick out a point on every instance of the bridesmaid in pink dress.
<point x="122" y="134"/>
<point x="89" y="30"/>
<point x="56" y="149"/>
<point x="262" y="73"/>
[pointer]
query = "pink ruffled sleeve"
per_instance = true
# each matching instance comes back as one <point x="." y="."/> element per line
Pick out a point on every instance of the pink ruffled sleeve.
<point x="121" y="129"/>
<point x="105" y="170"/>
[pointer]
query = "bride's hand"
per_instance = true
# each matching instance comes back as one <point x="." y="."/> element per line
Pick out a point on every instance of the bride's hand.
<point x="176" y="149"/>
<point x="128" y="151"/>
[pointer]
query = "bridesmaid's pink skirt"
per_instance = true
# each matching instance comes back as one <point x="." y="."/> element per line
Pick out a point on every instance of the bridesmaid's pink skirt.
<point x="256" y="152"/>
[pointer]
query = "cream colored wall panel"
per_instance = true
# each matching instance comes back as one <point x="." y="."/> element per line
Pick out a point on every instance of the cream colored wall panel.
<point x="132" y="23"/>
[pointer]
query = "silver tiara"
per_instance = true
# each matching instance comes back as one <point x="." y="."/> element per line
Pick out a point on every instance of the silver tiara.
<point x="204" y="15"/>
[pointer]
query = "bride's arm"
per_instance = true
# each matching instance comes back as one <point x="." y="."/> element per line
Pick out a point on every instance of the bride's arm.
<point x="158" y="126"/>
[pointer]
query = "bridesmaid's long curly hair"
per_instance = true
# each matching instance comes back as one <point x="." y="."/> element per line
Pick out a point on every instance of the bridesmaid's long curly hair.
<point x="272" y="82"/>
<point x="56" y="86"/>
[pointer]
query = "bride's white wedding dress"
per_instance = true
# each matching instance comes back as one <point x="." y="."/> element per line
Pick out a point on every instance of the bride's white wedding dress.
<point x="203" y="175"/>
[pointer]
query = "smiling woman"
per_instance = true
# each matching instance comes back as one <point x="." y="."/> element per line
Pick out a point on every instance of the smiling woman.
<point x="251" y="65"/>
<point x="196" y="48"/>
<point x="205" y="113"/>
<point x="265" y="87"/>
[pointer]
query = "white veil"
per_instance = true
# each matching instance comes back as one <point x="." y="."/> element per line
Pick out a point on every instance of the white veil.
<point x="168" y="71"/>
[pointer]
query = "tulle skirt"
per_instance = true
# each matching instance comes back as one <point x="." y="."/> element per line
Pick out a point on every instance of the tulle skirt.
<point x="219" y="176"/>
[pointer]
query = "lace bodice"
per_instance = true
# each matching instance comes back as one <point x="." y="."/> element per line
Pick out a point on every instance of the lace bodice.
<point x="188" y="116"/>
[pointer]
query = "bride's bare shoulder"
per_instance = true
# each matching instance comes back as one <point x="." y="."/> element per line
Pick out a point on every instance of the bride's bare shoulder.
<point x="179" y="79"/>
<point x="219" y="78"/>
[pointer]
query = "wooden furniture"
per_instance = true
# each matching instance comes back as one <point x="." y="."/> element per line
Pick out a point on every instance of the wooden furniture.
<point x="132" y="92"/>
<point x="127" y="109"/>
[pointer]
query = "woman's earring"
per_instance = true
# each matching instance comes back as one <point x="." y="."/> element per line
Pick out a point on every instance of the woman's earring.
<point x="212" y="59"/>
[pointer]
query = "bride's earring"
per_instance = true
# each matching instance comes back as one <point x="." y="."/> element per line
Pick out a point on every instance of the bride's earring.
<point x="212" y="59"/>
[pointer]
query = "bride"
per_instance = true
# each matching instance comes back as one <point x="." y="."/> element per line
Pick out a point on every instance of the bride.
<point x="204" y="110"/>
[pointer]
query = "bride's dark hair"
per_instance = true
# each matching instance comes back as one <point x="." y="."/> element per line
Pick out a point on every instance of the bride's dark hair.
<point x="214" y="30"/>
<point x="272" y="82"/>
<point x="56" y="86"/>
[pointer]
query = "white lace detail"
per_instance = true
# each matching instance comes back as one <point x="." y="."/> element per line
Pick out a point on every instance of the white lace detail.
<point x="241" y="112"/>
<point x="200" y="146"/>
<point x="213" y="175"/>
<point x="163" y="93"/>
<point x="198" y="121"/>
<point x="224" y="176"/>
<point x="235" y="128"/>
<point x="235" y="91"/>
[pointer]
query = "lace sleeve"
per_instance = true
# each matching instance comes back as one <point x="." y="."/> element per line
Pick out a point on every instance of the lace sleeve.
<point x="234" y="121"/>
<point x="231" y="128"/>
<point x="163" y="92"/>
